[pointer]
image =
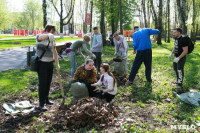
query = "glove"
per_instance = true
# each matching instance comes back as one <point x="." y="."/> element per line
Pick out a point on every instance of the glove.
<point x="176" y="59"/>
<point x="51" y="37"/>
<point x="170" y="56"/>
<point x="98" y="91"/>
<point x="115" y="53"/>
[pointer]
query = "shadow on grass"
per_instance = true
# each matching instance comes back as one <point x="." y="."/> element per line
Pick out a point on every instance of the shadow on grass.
<point x="142" y="93"/>
<point x="14" y="123"/>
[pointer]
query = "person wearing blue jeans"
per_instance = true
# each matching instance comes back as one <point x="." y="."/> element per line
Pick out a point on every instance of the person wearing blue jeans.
<point x="76" y="48"/>
<point x="142" y="48"/>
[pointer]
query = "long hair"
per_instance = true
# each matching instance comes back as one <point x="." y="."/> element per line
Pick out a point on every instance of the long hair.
<point x="106" y="67"/>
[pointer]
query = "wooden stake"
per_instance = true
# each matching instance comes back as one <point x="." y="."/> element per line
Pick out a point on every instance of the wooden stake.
<point x="58" y="72"/>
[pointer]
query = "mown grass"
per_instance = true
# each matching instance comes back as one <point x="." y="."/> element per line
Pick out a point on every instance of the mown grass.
<point x="12" y="36"/>
<point x="164" y="107"/>
<point x="4" y="44"/>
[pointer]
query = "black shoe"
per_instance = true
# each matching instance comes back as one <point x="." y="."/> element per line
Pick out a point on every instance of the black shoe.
<point x="49" y="102"/>
<point x="43" y="108"/>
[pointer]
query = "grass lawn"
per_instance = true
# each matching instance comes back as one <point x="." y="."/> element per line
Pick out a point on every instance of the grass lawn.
<point x="12" y="36"/>
<point x="149" y="112"/>
<point x="27" y="42"/>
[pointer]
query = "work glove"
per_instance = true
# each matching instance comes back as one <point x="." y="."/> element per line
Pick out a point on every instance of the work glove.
<point x="170" y="56"/>
<point x="98" y="91"/>
<point x="176" y="59"/>
<point x="51" y="37"/>
<point x="115" y="53"/>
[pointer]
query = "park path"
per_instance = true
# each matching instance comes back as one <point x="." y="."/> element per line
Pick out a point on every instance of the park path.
<point x="16" y="57"/>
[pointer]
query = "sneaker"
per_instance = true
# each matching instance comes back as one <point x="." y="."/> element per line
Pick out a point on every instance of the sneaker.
<point x="128" y="83"/>
<point x="43" y="108"/>
<point x="49" y="102"/>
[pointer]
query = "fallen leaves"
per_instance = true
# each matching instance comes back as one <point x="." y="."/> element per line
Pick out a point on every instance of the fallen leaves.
<point x="87" y="112"/>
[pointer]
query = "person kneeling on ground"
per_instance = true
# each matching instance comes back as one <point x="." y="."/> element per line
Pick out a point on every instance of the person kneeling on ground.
<point x="87" y="74"/>
<point x="110" y="82"/>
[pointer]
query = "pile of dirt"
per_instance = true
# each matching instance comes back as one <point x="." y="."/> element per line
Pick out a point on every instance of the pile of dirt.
<point x="121" y="80"/>
<point x="87" y="112"/>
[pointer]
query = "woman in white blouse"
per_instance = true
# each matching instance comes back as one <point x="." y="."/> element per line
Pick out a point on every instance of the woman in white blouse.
<point x="109" y="81"/>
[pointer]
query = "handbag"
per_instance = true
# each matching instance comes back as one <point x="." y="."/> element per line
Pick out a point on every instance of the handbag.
<point x="35" y="60"/>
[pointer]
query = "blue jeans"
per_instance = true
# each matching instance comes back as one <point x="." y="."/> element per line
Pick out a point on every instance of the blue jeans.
<point x="142" y="56"/>
<point x="72" y="58"/>
<point x="123" y="53"/>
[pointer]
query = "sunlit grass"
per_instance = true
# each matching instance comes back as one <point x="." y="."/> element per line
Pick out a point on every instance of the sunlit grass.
<point x="27" y="42"/>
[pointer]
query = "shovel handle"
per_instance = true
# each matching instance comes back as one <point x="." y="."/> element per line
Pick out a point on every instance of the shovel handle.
<point x="57" y="68"/>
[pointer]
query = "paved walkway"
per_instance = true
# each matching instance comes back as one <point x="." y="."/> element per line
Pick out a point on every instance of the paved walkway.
<point x="16" y="57"/>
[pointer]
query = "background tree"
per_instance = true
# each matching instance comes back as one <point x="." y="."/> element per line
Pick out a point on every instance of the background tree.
<point x="160" y="27"/>
<point x="67" y="15"/>
<point x="4" y="15"/>
<point x="44" y="8"/>
<point x="33" y="12"/>
<point x="183" y="14"/>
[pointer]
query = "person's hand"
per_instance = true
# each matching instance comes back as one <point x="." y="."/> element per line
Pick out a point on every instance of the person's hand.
<point x="134" y="52"/>
<point x="154" y="40"/>
<point x="94" y="56"/>
<point x="115" y="53"/>
<point x="51" y="37"/>
<point x="176" y="59"/>
<point x="170" y="56"/>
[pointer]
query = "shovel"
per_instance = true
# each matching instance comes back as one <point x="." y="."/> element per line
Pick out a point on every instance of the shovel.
<point x="58" y="73"/>
<point x="120" y="60"/>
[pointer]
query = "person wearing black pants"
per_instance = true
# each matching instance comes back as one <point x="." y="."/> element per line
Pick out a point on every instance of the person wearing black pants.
<point x="45" y="70"/>
<point x="142" y="56"/>
<point x="97" y="61"/>
<point x="142" y="48"/>
<point x="45" y="73"/>
<point x="179" y="69"/>
<point x="180" y="50"/>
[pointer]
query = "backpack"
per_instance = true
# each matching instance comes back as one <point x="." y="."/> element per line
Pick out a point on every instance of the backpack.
<point x="190" y="44"/>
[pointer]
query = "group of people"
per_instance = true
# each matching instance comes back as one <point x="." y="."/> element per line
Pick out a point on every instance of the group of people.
<point x="87" y="73"/>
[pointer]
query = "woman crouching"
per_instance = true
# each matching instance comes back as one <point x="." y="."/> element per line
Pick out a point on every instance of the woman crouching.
<point x="87" y="74"/>
<point x="109" y="81"/>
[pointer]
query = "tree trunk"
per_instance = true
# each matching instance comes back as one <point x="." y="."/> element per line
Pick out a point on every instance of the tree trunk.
<point x="155" y="18"/>
<point x="148" y="14"/>
<point x="112" y="17"/>
<point x="44" y="7"/>
<point x="144" y="13"/>
<point x="91" y="11"/>
<point x="181" y="5"/>
<point x="85" y="25"/>
<point x="165" y="18"/>
<point x="168" y="18"/>
<point x="102" y="23"/>
<point x="120" y="16"/>
<point x="61" y="19"/>
<point x="159" y="40"/>
<point x="193" y="36"/>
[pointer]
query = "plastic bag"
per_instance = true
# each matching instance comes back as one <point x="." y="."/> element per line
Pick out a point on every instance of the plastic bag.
<point x="78" y="90"/>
